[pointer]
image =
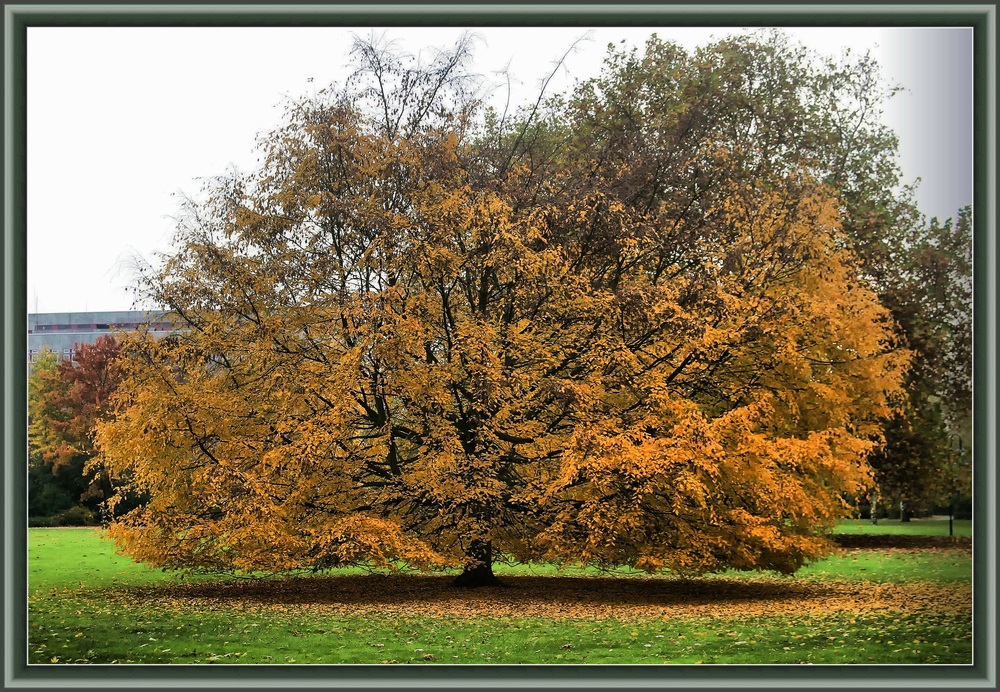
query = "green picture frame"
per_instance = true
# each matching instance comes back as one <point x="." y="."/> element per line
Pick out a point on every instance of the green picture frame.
<point x="17" y="674"/>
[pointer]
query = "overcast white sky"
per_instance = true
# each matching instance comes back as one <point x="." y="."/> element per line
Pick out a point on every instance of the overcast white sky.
<point x="121" y="119"/>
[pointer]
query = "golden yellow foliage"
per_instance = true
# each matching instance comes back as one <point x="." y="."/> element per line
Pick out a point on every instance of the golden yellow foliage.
<point x="393" y="354"/>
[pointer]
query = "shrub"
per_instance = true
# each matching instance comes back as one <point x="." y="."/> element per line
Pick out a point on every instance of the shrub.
<point x="74" y="516"/>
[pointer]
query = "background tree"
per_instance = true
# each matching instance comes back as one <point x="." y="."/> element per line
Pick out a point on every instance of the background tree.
<point x="614" y="328"/>
<point x="930" y="296"/>
<point x="657" y="115"/>
<point x="65" y="401"/>
<point x="50" y="490"/>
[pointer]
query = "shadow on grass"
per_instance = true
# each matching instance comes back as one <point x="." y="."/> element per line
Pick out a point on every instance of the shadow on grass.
<point x="901" y="541"/>
<point x="522" y="594"/>
<point x="526" y="596"/>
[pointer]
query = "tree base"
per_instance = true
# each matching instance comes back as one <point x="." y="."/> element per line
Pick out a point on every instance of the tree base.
<point x="477" y="577"/>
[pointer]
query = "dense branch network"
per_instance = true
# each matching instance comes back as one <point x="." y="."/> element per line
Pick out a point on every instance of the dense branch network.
<point x="622" y="326"/>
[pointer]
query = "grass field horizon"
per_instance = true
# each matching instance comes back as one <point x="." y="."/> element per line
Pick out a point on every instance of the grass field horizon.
<point x="922" y="526"/>
<point x="89" y="605"/>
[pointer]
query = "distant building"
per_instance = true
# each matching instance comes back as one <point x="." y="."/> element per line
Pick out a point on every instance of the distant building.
<point x="63" y="332"/>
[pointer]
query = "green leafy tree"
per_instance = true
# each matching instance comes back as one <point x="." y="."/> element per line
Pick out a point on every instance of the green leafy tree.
<point x="757" y="106"/>
<point x="762" y="101"/>
<point x="925" y="460"/>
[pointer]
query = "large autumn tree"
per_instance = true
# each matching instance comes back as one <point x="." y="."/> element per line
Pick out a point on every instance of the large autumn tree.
<point x="616" y="327"/>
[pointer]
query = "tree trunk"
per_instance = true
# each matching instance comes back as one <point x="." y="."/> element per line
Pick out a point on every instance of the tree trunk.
<point x="478" y="570"/>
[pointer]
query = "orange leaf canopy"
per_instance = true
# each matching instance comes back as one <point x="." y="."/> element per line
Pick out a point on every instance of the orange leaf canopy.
<point x="435" y="339"/>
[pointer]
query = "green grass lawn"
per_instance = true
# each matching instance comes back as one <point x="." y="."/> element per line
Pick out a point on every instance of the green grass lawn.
<point x="914" y="527"/>
<point x="88" y="605"/>
<point x="160" y="635"/>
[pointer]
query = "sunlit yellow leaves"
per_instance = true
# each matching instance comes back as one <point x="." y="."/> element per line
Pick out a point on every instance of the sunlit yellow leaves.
<point x="406" y="340"/>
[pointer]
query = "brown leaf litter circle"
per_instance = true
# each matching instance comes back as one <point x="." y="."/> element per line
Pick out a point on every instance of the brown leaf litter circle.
<point x="408" y="595"/>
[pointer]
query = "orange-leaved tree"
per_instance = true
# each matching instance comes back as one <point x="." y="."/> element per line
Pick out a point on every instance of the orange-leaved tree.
<point x="417" y="335"/>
